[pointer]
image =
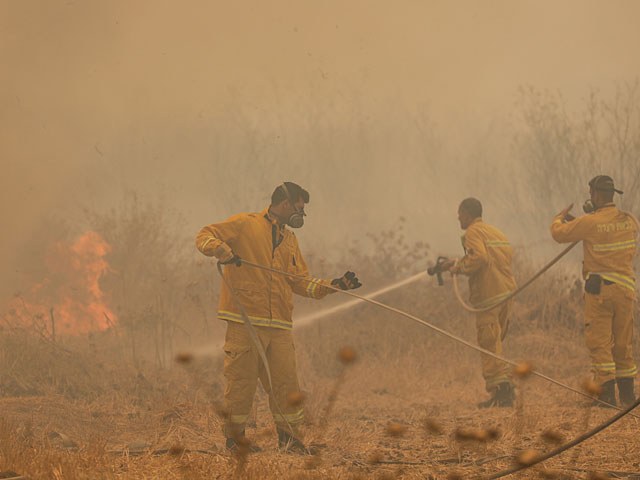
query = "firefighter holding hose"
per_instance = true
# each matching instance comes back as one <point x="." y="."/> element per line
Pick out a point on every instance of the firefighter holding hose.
<point x="487" y="263"/>
<point x="263" y="238"/>
<point x="608" y="237"/>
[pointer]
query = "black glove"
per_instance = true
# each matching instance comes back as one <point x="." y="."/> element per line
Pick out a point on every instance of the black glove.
<point x="348" y="281"/>
<point x="235" y="259"/>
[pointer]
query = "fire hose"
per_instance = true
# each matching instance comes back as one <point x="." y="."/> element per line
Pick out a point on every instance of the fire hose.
<point x="578" y="440"/>
<point x="436" y="270"/>
<point x="553" y="453"/>
<point x="515" y="292"/>
<point x="404" y="314"/>
<point x="256" y="342"/>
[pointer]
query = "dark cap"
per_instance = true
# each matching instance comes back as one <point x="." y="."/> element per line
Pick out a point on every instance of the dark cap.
<point x="603" y="183"/>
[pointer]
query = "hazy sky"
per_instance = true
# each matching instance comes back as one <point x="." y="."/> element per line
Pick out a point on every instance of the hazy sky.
<point x="103" y="96"/>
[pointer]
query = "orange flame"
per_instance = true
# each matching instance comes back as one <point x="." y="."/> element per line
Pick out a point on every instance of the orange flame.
<point x="70" y="293"/>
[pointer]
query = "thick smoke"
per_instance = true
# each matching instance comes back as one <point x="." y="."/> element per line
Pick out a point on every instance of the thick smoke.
<point x="380" y="110"/>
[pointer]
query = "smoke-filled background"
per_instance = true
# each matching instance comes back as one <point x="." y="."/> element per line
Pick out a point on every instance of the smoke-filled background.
<point x="381" y="110"/>
<point x="127" y="126"/>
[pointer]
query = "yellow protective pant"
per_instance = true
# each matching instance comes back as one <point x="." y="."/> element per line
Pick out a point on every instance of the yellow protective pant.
<point x="243" y="367"/>
<point x="608" y="332"/>
<point x="491" y="328"/>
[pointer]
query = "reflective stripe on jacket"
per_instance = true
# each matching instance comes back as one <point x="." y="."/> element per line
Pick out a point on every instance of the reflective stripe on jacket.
<point x="487" y="262"/>
<point x="266" y="297"/>
<point x="609" y="242"/>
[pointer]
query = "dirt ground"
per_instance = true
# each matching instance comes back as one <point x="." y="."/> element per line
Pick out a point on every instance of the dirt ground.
<point x="401" y="409"/>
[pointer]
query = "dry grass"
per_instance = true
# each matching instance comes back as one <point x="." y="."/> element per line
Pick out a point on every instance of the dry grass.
<point x="404" y="409"/>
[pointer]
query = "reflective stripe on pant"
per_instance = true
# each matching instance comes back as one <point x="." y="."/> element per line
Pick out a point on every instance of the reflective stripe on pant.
<point x="608" y="332"/>
<point x="492" y="327"/>
<point x="243" y="367"/>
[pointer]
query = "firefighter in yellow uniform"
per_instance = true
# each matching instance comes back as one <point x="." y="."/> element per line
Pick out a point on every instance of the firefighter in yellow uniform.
<point x="608" y="238"/>
<point x="487" y="263"/>
<point x="266" y="297"/>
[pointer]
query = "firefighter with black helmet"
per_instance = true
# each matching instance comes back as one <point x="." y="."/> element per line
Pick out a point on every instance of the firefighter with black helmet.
<point x="263" y="238"/>
<point x="608" y="237"/>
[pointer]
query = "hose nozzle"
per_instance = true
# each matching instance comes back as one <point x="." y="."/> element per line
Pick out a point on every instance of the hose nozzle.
<point x="437" y="270"/>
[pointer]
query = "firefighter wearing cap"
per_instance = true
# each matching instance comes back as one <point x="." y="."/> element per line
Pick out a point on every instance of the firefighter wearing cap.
<point x="487" y="263"/>
<point x="608" y="237"/>
<point x="263" y="238"/>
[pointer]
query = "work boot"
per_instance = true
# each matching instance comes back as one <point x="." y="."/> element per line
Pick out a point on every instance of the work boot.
<point x="241" y="444"/>
<point x="289" y="443"/>
<point x="607" y="394"/>
<point x="625" y="391"/>
<point x="503" y="396"/>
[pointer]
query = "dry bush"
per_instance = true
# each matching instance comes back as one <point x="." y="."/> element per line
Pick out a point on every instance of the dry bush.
<point x="375" y="333"/>
<point x="30" y="365"/>
<point x="560" y="150"/>
<point x="160" y="286"/>
<point x="85" y="368"/>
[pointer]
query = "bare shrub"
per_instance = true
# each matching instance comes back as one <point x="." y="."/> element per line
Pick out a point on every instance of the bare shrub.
<point x="559" y="151"/>
<point x="158" y="284"/>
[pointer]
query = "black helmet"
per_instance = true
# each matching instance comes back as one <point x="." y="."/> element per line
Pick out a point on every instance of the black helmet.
<point x="603" y="183"/>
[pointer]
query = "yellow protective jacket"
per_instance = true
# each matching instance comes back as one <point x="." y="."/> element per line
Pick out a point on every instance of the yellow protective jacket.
<point x="265" y="296"/>
<point x="609" y="242"/>
<point x="487" y="262"/>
